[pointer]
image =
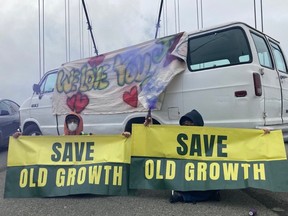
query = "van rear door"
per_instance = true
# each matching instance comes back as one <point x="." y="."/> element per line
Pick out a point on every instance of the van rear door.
<point x="281" y="67"/>
<point x="270" y="80"/>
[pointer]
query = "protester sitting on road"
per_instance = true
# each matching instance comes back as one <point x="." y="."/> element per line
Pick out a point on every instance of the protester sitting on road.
<point x="193" y="118"/>
<point x="73" y="125"/>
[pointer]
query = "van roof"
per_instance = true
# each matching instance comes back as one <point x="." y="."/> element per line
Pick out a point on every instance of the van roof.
<point x="228" y="24"/>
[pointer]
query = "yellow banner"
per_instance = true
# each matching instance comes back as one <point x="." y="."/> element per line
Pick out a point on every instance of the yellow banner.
<point x="68" y="150"/>
<point x="207" y="143"/>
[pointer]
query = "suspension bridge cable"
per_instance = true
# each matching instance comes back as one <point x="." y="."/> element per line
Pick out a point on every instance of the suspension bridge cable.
<point x="89" y="27"/>
<point x="67" y="30"/>
<point x="178" y="12"/>
<point x="159" y="16"/>
<point x="79" y="25"/>
<point x="201" y="7"/>
<point x="90" y="40"/>
<point x="68" y="18"/>
<point x="255" y="18"/>
<point x="199" y="14"/>
<point x="261" y="7"/>
<point x="163" y="17"/>
<point x="177" y="17"/>
<point x="197" y="7"/>
<point x="43" y="36"/>
<point x="39" y="40"/>
<point x="66" y="47"/>
<point x="166" y="20"/>
<point x="82" y="31"/>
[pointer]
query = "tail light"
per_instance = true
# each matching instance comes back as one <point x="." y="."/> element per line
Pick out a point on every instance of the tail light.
<point x="257" y="84"/>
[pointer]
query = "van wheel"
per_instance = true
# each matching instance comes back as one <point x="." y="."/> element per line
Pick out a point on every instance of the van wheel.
<point x="32" y="130"/>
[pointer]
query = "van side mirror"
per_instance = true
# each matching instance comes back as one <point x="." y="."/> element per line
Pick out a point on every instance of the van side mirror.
<point x="36" y="88"/>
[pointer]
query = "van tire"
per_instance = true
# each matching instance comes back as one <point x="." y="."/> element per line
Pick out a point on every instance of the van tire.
<point x="32" y="130"/>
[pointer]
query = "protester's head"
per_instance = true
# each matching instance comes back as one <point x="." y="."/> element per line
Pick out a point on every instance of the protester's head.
<point x="192" y="118"/>
<point x="73" y="124"/>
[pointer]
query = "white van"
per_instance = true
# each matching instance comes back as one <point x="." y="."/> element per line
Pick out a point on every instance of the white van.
<point x="235" y="77"/>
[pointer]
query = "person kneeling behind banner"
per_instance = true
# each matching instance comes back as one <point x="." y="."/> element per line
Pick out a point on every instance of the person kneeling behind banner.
<point x="193" y="118"/>
<point x="73" y="125"/>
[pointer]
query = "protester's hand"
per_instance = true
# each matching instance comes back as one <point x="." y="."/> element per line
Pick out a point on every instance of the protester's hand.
<point x="266" y="131"/>
<point x="17" y="134"/>
<point x="126" y="134"/>
<point x="148" y="121"/>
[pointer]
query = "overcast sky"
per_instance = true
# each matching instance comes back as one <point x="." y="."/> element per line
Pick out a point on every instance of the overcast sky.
<point x="115" y="24"/>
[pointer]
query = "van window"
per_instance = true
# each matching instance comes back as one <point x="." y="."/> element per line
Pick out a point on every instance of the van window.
<point x="279" y="58"/>
<point x="218" y="49"/>
<point x="48" y="83"/>
<point x="264" y="56"/>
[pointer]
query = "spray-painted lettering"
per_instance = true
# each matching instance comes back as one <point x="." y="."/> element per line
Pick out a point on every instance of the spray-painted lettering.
<point x="83" y="80"/>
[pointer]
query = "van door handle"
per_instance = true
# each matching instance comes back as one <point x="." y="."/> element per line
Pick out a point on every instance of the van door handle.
<point x="283" y="77"/>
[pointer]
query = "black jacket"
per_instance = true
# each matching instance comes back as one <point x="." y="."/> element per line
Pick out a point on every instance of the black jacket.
<point x="193" y="116"/>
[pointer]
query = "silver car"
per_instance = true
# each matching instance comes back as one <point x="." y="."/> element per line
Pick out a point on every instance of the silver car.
<point x="9" y="120"/>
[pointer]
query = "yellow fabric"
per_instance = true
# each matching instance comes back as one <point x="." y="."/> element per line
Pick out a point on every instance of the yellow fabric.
<point x="56" y="150"/>
<point x="237" y="144"/>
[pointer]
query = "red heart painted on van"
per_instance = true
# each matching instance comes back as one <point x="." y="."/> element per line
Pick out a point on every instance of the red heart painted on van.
<point x="78" y="102"/>
<point x="131" y="97"/>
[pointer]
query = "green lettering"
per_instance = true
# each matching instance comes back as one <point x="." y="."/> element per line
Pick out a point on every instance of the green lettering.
<point x="209" y="144"/>
<point x="183" y="149"/>
<point x="89" y="151"/>
<point x="221" y="146"/>
<point x="56" y="157"/>
<point x="196" y="145"/>
<point x="68" y="151"/>
<point x="79" y="150"/>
